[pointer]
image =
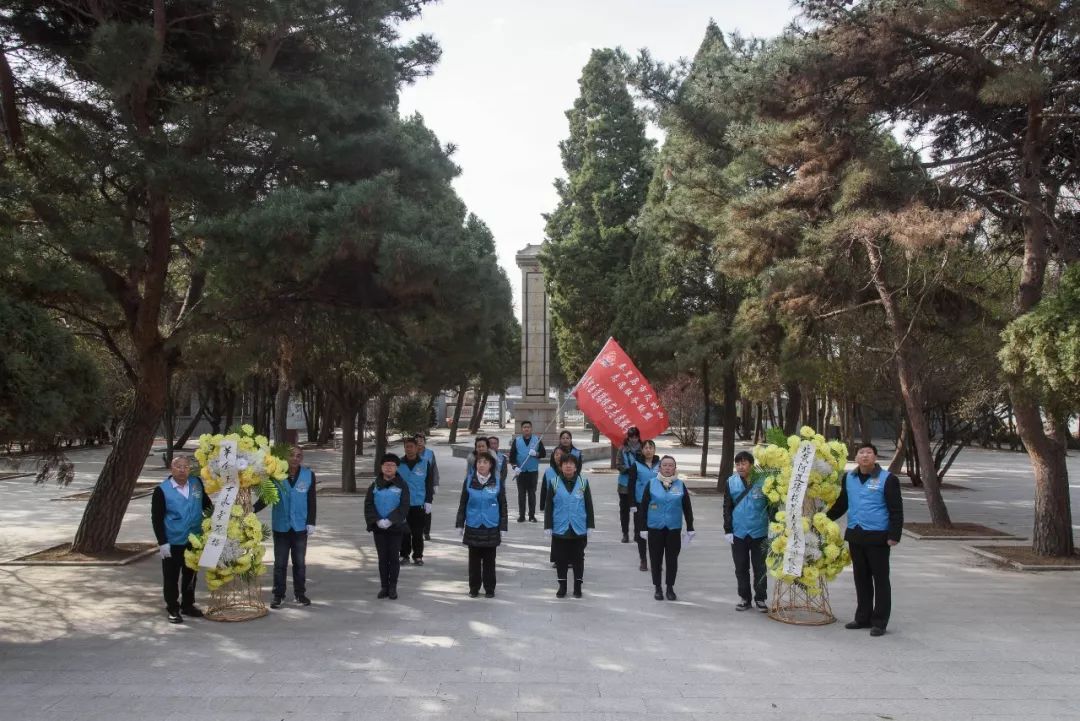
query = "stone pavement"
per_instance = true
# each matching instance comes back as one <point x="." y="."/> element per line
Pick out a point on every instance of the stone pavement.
<point x="967" y="640"/>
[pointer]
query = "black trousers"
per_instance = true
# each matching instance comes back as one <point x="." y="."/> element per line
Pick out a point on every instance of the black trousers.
<point x="427" y="525"/>
<point x="526" y="486"/>
<point x="294" y="542"/>
<point x="413" y="539"/>
<point x="747" y="552"/>
<point x="178" y="581"/>
<point x="387" y="547"/>
<point x="569" y="552"/>
<point x="873" y="591"/>
<point x="642" y="544"/>
<point x="624" y="510"/>
<point x="481" y="568"/>
<point x="664" y="547"/>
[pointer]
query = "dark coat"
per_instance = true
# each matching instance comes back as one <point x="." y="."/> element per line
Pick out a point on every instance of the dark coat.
<point x="478" y="536"/>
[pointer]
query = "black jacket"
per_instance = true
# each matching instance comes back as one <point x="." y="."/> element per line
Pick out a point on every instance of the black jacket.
<point x="893" y="501"/>
<point x="397" y="516"/>
<point x="476" y="536"/>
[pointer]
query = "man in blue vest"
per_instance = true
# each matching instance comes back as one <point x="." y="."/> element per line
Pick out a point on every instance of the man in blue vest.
<point x="418" y="476"/>
<point x="746" y="527"/>
<point x="870" y="496"/>
<point x="293" y="523"/>
<point x="502" y="464"/>
<point x="385" y="508"/>
<point x="176" y="511"/>
<point x="525" y="453"/>
<point x="428" y="455"/>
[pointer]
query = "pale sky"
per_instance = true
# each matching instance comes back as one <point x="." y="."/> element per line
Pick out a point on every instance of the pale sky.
<point x="509" y="72"/>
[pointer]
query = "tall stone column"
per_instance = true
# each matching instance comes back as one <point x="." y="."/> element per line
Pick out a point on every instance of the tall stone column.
<point x="535" y="405"/>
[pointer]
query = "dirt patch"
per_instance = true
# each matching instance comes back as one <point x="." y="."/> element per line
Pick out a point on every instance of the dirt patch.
<point x="1027" y="557"/>
<point x="965" y="530"/>
<point x="61" y="555"/>
<point x="141" y="489"/>
<point x="945" y="486"/>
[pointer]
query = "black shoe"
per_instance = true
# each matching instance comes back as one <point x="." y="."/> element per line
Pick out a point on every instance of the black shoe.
<point x="418" y="562"/>
<point x="577" y="590"/>
<point x="671" y="594"/>
<point x="626" y="538"/>
<point x="521" y="519"/>
<point x="853" y="625"/>
<point x="303" y="600"/>
<point x="175" y="617"/>
<point x="532" y="519"/>
<point x="393" y="594"/>
<point x="404" y="560"/>
<point x="659" y="595"/>
<point x="877" y="631"/>
<point x="276" y="603"/>
<point x="561" y="593"/>
<point x="762" y="606"/>
<point x="474" y="592"/>
<point x="644" y="565"/>
<point x="743" y="605"/>
<point x="383" y="593"/>
<point x="489" y="594"/>
<point x="427" y="536"/>
<point x="193" y="611"/>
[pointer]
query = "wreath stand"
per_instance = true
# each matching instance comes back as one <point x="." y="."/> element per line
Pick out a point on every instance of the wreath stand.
<point x="792" y="604"/>
<point x="241" y="598"/>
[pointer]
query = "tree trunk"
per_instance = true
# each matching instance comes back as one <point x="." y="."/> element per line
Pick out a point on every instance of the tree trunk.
<point x="758" y="422"/>
<point x="361" y="426"/>
<point x="182" y="439"/>
<point x="502" y="410"/>
<point x="897" y="462"/>
<point x="281" y="398"/>
<point x="168" y="418"/>
<point x="326" y="419"/>
<point x="595" y="434"/>
<point x="382" y="420"/>
<point x="457" y="411"/>
<point x="348" y="445"/>
<point x="727" y="448"/>
<point x="310" y="398"/>
<point x="791" y="413"/>
<point x="230" y="409"/>
<point x="705" y="395"/>
<point x="479" y="404"/>
<point x="109" y="500"/>
<point x="910" y="391"/>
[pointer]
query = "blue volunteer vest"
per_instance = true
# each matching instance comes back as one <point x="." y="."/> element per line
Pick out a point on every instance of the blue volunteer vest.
<point x="750" y="519"/>
<point x="183" y="516"/>
<point x="568" y="507"/>
<point x="866" y="502"/>
<point x="290" y="512"/>
<point x="386" y="500"/>
<point x="416" y="479"/>
<point x="482" y="508"/>
<point x="665" y="506"/>
<point x="645" y="474"/>
<point x="628" y="460"/>
<point x="529" y="463"/>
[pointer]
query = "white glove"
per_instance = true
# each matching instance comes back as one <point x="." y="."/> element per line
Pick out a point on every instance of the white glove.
<point x="165" y="551"/>
<point x="643" y="535"/>
<point x="463" y="532"/>
<point x="532" y="453"/>
<point x="427" y="508"/>
<point x="310" y="531"/>
<point x="383" y="523"/>
<point x="547" y="532"/>
<point x="588" y="532"/>
<point x="690" y="537"/>
<point x="729" y="537"/>
<point x="633" y="509"/>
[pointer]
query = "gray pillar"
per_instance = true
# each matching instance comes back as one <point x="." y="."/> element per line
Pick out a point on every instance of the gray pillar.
<point x="535" y="404"/>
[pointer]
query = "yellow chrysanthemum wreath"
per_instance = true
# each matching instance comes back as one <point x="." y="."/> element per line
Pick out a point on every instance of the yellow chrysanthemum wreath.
<point x="826" y="553"/>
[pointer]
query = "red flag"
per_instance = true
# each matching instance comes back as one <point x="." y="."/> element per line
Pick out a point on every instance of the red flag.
<point x="614" y="395"/>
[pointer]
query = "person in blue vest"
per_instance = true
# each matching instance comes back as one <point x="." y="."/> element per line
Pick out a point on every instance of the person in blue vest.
<point x="568" y="521"/>
<point x="746" y="528"/>
<point x="292" y="520"/>
<point x="480" y="445"/>
<point x="418" y="474"/>
<point x="177" y="509"/>
<point x="641" y="475"/>
<point x="628" y="455"/>
<point x="502" y="463"/>
<point x="566" y="443"/>
<point x="664" y="503"/>
<point x="428" y="455"/>
<point x="525" y="453"/>
<point x="551" y="474"/>
<point x="870" y="496"/>
<point x="386" y="506"/>
<point x="482" y="517"/>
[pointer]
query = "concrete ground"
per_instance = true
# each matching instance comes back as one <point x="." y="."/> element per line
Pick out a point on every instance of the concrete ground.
<point x="966" y="641"/>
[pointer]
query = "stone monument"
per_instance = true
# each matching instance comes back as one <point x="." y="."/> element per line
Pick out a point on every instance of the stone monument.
<point x="535" y="404"/>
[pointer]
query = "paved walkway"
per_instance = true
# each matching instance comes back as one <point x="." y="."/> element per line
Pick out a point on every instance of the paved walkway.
<point x="967" y="640"/>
